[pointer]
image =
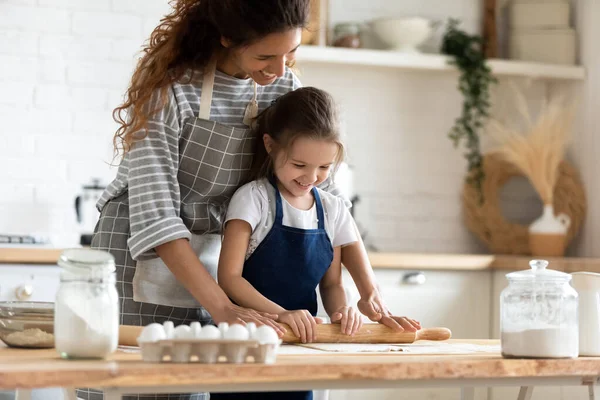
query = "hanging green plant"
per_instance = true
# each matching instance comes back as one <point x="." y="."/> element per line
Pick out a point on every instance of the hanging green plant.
<point x="474" y="83"/>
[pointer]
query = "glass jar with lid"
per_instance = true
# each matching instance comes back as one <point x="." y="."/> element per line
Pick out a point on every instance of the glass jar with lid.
<point x="538" y="314"/>
<point x="86" y="316"/>
<point x="347" y="34"/>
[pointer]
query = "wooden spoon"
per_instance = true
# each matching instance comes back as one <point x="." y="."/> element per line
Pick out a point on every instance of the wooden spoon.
<point x="329" y="333"/>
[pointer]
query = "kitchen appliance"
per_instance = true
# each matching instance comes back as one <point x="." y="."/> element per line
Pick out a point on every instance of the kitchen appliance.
<point x="329" y="333"/>
<point x="344" y="180"/>
<point x="587" y="285"/>
<point x="538" y="314"/>
<point x="85" y="208"/>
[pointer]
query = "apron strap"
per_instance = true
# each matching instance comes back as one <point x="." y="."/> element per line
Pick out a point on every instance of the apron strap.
<point x="279" y="206"/>
<point x="319" y="204"/>
<point x="207" y="89"/>
<point x="208" y="82"/>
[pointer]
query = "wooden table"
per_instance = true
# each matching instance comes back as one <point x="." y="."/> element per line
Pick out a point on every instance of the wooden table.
<point x="125" y="373"/>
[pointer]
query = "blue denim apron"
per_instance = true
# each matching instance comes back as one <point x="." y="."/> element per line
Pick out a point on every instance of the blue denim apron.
<point x="286" y="268"/>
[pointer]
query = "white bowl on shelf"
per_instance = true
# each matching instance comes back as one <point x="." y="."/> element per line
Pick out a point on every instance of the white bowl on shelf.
<point x="403" y="34"/>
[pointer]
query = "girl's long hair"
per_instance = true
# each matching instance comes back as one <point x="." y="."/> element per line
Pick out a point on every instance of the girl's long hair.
<point x="306" y="112"/>
<point x="187" y="39"/>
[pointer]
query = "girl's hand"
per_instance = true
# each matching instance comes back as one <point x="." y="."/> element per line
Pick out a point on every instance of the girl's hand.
<point x="349" y="318"/>
<point x="302" y="323"/>
<point x="233" y="314"/>
<point x="375" y="309"/>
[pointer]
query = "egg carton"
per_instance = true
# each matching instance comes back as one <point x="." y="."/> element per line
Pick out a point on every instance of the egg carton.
<point x="209" y="351"/>
<point x="184" y="344"/>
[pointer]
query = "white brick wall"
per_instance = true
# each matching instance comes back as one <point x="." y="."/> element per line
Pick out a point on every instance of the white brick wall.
<point x="66" y="64"/>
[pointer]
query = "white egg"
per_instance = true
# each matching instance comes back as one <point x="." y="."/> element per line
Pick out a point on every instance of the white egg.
<point x="266" y="334"/>
<point x="251" y="327"/>
<point x="223" y="327"/>
<point x="169" y="329"/>
<point x="236" y="332"/>
<point x="182" y="332"/>
<point x="196" y="328"/>
<point x="210" y="332"/>
<point x="152" y="333"/>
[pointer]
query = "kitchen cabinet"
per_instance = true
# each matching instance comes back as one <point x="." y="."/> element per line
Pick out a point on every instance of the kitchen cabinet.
<point x="459" y="300"/>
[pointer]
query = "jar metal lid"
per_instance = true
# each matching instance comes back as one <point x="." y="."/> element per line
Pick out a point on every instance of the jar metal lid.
<point x="538" y="272"/>
<point x="87" y="260"/>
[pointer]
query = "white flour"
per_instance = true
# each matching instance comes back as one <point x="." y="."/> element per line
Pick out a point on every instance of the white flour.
<point x="541" y="343"/>
<point x="80" y="333"/>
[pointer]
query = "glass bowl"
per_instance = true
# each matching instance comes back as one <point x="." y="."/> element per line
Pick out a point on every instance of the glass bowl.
<point x="27" y="324"/>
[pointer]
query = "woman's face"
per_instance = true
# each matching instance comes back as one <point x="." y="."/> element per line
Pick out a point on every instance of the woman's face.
<point x="264" y="60"/>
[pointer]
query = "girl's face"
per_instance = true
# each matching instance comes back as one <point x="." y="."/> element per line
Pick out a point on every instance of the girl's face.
<point x="265" y="60"/>
<point x="307" y="164"/>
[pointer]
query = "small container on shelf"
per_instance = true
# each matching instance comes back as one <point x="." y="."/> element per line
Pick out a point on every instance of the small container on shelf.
<point x="552" y="46"/>
<point x="539" y="14"/>
<point x="347" y="34"/>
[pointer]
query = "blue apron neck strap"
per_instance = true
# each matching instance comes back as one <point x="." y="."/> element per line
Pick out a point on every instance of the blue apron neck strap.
<point x="320" y="216"/>
<point x="279" y="206"/>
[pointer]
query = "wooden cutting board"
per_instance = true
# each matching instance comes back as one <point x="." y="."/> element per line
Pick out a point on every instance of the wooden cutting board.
<point x="329" y="333"/>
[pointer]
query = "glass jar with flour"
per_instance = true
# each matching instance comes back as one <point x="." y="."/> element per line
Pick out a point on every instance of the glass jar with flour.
<point x="538" y="314"/>
<point x="86" y="316"/>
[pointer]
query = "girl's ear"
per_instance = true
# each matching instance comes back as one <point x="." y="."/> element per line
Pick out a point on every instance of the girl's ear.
<point x="268" y="142"/>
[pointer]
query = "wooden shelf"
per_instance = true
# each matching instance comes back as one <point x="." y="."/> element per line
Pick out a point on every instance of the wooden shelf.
<point x="431" y="62"/>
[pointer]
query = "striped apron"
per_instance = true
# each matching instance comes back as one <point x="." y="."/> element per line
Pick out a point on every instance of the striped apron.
<point x="217" y="158"/>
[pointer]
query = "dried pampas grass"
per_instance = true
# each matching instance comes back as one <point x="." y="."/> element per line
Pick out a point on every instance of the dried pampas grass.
<point x="538" y="151"/>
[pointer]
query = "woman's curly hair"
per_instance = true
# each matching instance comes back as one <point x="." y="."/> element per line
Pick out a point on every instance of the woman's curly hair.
<point x="186" y="40"/>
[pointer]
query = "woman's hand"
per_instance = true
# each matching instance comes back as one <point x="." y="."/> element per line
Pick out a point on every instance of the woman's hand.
<point x="302" y="323"/>
<point x="233" y="314"/>
<point x="375" y="309"/>
<point x="349" y="318"/>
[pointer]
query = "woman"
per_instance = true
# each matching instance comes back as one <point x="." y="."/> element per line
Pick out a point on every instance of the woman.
<point x="207" y="70"/>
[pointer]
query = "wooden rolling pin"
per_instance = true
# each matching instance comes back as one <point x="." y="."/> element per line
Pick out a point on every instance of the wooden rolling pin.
<point x="329" y="333"/>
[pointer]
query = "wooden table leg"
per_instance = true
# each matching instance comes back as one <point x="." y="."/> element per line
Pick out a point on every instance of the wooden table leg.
<point x="594" y="390"/>
<point x="467" y="393"/>
<point x="23" y="394"/>
<point x="525" y="393"/>
<point x="112" y="394"/>
<point x="69" y="393"/>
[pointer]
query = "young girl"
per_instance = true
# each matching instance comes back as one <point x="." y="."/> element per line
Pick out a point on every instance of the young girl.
<point x="283" y="235"/>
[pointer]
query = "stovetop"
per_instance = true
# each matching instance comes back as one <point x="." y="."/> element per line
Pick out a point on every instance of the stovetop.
<point x="6" y="239"/>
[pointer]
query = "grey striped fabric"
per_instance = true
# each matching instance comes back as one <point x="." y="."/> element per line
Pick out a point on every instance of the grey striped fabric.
<point x="179" y="182"/>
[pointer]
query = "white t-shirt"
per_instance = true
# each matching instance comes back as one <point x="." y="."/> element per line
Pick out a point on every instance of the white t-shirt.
<point x="255" y="203"/>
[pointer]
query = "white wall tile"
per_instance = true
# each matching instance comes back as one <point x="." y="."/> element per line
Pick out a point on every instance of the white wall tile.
<point x="18" y="68"/>
<point x="35" y="19"/>
<point x="14" y="193"/>
<point x="110" y="75"/>
<point x="12" y="93"/>
<point x="73" y="47"/>
<point x="106" y="24"/>
<point x="52" y="71"/>
<point x="96" y="5"/>
<point x="152" y="7"/>
<point x="18" y="42"/>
